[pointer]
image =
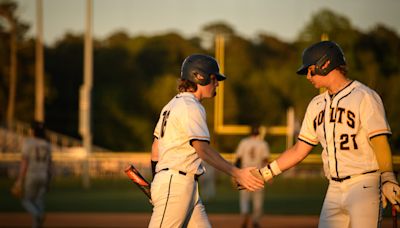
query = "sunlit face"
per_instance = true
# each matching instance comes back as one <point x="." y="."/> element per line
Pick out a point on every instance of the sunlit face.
<point x="314" y="78"/>
<point x="210" y="90"/>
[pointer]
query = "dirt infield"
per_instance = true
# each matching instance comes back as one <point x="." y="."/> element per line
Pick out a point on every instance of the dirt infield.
<point x="133" y="220"/>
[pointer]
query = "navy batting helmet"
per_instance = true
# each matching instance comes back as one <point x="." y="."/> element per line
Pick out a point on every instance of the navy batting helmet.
<point x="318" y="54"/>
<point x="198" y="68"/>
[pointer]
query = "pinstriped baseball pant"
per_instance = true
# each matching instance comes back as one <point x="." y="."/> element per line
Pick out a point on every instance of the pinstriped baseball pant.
<point x="354" y="203"/>
<point x="176" y="202"/>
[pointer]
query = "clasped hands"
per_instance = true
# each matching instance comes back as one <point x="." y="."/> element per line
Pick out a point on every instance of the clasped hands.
<point x="264" y="174"/>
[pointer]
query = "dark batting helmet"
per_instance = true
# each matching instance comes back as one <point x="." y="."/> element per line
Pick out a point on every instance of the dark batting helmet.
<point x="318" y="54"/>
<point x="198" y="68"/>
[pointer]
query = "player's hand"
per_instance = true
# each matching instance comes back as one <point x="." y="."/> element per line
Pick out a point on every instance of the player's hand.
<point x="235" y="184"/>
<point x="254" y="172"/>
<point x="391" y="193"/>
<point x="17" y="190"/>
<point x="245" y="178"/>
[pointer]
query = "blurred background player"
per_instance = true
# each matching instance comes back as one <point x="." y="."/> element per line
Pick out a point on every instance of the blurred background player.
<point x="181" y="143"/>
<point x="35" y="173"/>
<point x="252" y="151"/>
<point x="349" y="121"/>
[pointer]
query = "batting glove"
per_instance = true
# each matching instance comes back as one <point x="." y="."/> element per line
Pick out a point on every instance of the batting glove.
<point x="390" y="190"/>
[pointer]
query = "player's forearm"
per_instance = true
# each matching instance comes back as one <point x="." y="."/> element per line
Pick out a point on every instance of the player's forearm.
<point x="212" y="157"/>
<point x="383" y="153"/>
<point x="154" y="156"/>
<point x="154" y="150"/>
<point x="286" y="160"/>
<point x="243" y="176"/>
<point x="292" y="156"/>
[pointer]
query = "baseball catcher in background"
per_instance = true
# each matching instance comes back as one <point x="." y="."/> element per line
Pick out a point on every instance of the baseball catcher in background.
<point x="349" y="121"/>
<point x="181" y="143"/>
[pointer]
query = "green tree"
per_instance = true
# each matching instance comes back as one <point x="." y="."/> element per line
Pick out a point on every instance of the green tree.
<point x="141" y="80"/>
<point x="64" y="66"/>
<point x="14" y="75"/>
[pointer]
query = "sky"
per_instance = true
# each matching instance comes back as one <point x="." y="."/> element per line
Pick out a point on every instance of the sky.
<point x="281" y="18"/>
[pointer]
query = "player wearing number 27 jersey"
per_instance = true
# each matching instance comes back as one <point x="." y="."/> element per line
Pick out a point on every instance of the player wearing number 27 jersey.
<point x="349" y="122"/>
<point x="181" y="143"/>
<point x="189" y="123"/>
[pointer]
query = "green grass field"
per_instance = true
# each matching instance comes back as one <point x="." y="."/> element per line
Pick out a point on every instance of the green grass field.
<point x="283" y="196"/>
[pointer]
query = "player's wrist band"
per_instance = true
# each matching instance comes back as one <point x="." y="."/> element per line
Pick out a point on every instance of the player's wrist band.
<point x="388" y="177"/>
<point x="270" y="171"/>
<point x="275" y="168"/>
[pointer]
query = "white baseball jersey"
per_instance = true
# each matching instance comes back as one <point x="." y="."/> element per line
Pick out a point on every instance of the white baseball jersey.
<point x="38" y="154"/>
<point x="344" y="125"/>
<point x="174" y="190"/>
<point x="252" y="151"/>
<point x="182" y="120"/>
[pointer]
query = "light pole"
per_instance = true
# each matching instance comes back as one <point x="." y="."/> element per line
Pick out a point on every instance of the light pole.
<point x="39" y="82"/>
<point x="6" y="11"/>
<point x="85" y="96"/>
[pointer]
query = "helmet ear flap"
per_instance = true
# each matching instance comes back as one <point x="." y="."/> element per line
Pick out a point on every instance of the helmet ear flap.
<point x="200" y="77"/>
<point x="319" y="65"/>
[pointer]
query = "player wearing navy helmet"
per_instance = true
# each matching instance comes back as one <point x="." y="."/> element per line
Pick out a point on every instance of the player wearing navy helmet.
<point x="349" y="122"/>
<point x="181" y="143"/>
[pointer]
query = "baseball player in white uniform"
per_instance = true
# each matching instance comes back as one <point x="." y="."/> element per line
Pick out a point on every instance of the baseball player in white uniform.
<point x="252" y="151"/>
<point x="35" y="172"/>
<point x="349" y="121"/>
<point x="181" y="143"/>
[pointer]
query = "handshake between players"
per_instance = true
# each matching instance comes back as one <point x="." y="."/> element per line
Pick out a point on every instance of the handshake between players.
<point x="390" y="186"/>
<point x="266" y="173"/>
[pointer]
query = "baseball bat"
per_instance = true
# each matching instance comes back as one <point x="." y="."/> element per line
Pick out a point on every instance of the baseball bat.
<point x="139" y="180"/>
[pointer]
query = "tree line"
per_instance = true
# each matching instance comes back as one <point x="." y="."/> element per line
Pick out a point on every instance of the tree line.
<point x="134" y="76"/>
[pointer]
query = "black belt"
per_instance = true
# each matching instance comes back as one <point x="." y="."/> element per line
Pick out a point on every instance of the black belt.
<point x="196" y="176"/>
<point x="341" y="179"/>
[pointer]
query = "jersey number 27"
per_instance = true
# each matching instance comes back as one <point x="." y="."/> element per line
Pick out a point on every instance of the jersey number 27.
<point x="164" y="122"/>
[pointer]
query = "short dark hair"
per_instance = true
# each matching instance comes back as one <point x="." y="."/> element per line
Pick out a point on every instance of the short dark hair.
<point x="38" y="129"/>
<point x="255" y="129"/>
<point x="186" y="86"/>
